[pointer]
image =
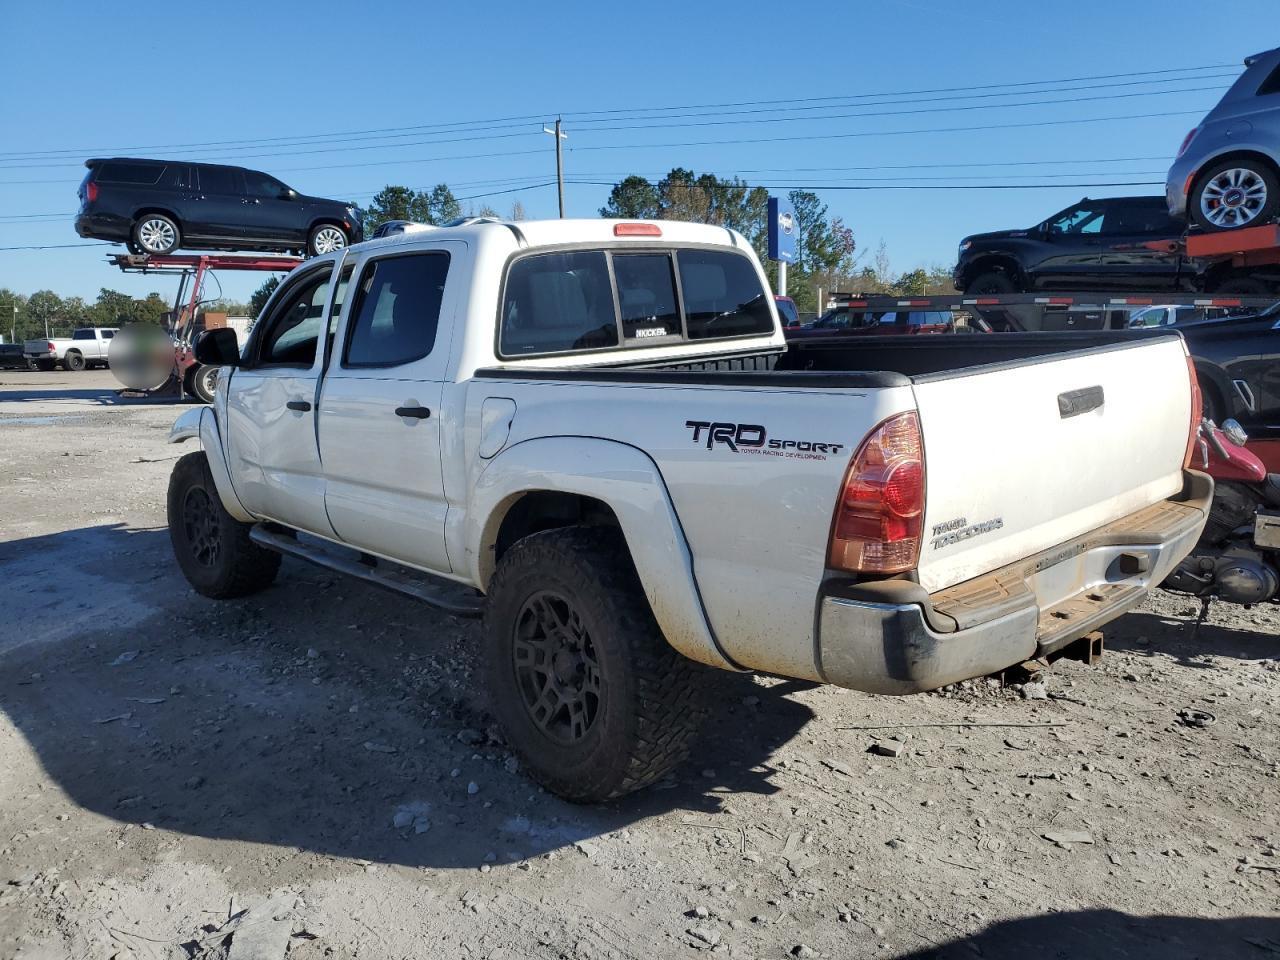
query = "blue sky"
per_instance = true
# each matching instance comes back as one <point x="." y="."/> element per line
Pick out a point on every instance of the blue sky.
<point x="91" y="79"/>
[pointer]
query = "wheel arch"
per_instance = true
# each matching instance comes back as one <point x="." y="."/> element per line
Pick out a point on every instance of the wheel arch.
<point x="201" y="423"/>
<point x="159" y="208"/>
<point x="555" y="481"/>
<point x="1215" y="382"/>
<point x="1230" y="154"/>
<point x="992" y="262"/>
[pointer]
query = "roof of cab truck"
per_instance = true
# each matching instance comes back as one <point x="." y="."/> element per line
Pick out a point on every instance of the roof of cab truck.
<point x="547" y="233"/>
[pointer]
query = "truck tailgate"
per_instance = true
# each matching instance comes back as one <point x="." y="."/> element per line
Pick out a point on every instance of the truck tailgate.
<point x="1020" y="457"/>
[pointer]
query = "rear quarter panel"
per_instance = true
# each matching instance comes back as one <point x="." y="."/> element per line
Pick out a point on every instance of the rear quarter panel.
<point x="756" y="518"/>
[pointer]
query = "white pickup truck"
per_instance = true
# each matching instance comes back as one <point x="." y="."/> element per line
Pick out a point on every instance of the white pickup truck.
<point x="87" y="347"/>
<point x="597" y="432"/>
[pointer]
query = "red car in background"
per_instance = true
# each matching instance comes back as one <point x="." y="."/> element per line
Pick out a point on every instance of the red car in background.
<point x="848" y="320"/>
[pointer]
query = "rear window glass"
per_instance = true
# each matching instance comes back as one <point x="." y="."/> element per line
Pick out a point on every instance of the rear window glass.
<point x="558" y="301"/>
<point x="398" y="311"/>
<point x="722" y="295"/>
<point x="219" y="180"/>
<point x="141" y="173"/>
<point x="598" y="300"/>
<point x="646" y="295"/>
<point x="1271" y="84"/>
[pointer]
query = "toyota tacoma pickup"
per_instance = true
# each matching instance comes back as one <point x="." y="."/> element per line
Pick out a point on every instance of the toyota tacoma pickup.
<point x="86" y="347"/>
<point x="594" y="434"/>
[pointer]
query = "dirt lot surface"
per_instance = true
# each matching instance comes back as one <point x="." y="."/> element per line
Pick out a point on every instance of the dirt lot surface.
<point x="312" y="770"/>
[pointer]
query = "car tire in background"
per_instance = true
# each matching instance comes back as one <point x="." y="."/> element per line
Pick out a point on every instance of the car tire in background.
<point x="74" y="361"/>
<point x="326" y="238"/>
<point x="44" y="366"/>
<point x="590" y="695"/>
<point x="991" y="282"/>
<point x="1233" y="194"/>
<point x="156" y="233"/>
<point x="1244" y="287"/>
<point x="201" y="382"/>
<point x="212" y="547"/>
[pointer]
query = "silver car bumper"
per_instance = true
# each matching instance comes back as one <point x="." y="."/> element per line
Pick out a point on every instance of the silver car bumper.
<point x="1029" y="609"/>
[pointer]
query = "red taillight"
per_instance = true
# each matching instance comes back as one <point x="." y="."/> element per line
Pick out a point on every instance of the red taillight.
<point x="1197" y="412"/>
<point x="91" y="191"/>
<point x="637" y="230"/>
<point x="880" y="513"/>
<point x="1186" y="141"/>
<point x="51" y="347"/>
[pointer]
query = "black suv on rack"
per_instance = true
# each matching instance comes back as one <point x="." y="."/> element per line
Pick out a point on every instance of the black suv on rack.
<point x="158" y="206"/>
<point x="1119" y="243"/>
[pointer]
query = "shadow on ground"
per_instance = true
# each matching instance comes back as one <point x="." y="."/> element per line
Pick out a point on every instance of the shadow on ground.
<point x="1132" y="633"/>
<point x="307" y="716"/>
<point x="1098" y="934"/>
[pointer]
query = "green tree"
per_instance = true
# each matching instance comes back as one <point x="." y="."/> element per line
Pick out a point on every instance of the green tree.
<point x="260" y="296"/>
<point x="441" y="205"/>
<point x="44" y="311"/>
<point x="112" y="309"/>
<point x="149" y="310"/>
<point x="393" y="203"/>
<point x="635" y="198"/>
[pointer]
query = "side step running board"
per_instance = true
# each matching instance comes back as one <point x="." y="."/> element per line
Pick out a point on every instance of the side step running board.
<point x="441" y="594"/>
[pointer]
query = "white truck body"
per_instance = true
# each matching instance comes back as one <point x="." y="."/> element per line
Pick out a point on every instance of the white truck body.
<point x="1055" y="485"/>
<point x="86" y="347"/>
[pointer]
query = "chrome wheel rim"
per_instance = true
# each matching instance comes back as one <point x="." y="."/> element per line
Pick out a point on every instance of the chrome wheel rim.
<point x="556" y="667"/>
<point x="200" y="523"/>
<point x="329" y="239"/>
<point x="1233" y="197"/>
<point x="156" y="236"/>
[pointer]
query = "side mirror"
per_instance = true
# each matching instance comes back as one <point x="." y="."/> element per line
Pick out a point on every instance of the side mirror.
<point x="218" y="348"/>
<point x="288" y="193"/>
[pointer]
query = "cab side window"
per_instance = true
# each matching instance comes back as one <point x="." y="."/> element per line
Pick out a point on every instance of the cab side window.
<point x="396" y="311"/>
<point x="293" y="328"/>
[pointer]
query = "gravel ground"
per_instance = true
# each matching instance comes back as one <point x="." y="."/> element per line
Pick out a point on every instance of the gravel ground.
<point x="313" y="771"/>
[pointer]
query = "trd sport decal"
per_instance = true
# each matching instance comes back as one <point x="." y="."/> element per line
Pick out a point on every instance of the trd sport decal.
<point x="754" y="439"/>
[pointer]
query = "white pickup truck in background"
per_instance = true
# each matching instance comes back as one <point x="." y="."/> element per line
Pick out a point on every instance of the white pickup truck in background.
<point x="86" y="347"/>
<point x="597" y="432"/>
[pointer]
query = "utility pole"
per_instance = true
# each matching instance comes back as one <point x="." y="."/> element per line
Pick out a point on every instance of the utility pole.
<point x="560" y="136"/>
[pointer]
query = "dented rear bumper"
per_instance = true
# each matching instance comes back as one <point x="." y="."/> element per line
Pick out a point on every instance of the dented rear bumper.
<point x="891" y="637"/>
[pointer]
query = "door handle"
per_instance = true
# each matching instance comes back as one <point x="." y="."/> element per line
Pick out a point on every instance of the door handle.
<point x="417" y="413"/>
<point x="300" y="405"/>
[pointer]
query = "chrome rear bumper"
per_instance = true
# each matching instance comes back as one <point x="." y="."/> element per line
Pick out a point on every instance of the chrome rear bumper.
<point x="1025" y="610"/>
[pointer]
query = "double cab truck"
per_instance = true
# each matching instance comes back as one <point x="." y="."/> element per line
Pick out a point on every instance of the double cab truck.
<point x="594" y="434"/>
<point x="87" y="347"/>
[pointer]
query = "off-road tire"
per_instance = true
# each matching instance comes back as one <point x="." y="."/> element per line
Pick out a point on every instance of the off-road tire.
<point x="73" y="361"/>
<point x="650" y="707"/>
<point x="991" y="282"/>
<point x="238" y="566"/>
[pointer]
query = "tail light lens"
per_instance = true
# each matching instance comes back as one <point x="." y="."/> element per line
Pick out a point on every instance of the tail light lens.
<point x="91" y="191"/>
<point x="1197" y="412"/>
<point x="51" y="347"/>
<point x="880" y="514"/>
<point x="1186" y="141"/>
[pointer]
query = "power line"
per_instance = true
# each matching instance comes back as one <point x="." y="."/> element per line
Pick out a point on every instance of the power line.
<point x="888" y="133"/>
<point x="907" y="186"/>
<point x="480" y="126"/>
<point x="763" y="106"/>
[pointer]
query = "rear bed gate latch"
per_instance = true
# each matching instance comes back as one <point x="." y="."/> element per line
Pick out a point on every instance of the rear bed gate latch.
<point x="1075" y="402"/>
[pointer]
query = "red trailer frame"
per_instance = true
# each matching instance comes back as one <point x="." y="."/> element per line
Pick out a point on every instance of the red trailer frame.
<point x="192" y="269"/>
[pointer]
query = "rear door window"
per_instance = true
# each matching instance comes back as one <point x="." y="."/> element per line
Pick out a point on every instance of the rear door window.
<point x="397" y="311"/>
<point x="554" y="302"/>
<point x="137" y="173"/>
<point x="221" y="180"/>
<point x="723" y="296"/>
